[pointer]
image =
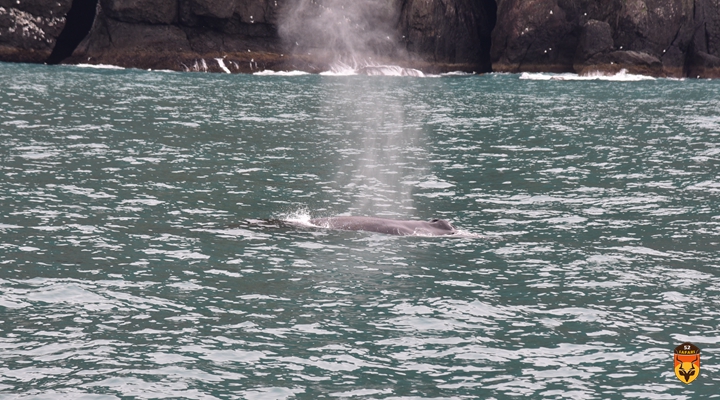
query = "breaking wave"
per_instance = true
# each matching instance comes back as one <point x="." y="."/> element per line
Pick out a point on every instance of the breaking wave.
<point x="622" y="76"/>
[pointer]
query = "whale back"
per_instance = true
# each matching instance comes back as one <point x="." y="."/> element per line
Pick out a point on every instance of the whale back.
<point x="435" y="227"/>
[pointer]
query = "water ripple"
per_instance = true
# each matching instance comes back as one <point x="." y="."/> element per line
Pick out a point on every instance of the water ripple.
<point x="144" y="252"/>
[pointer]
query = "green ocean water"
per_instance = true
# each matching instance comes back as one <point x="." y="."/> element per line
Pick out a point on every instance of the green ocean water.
<point x="152" y="241"/>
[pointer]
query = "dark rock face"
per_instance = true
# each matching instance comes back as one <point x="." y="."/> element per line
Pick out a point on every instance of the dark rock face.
<point x="308" y="35"/>
<point x="29" y="29"/>
<point x="195" y="35"/>
<point x="656" y="37"/>
<point x="453" y="32"/>
<point x="78" y="22"/>
<point x="595" y="38"/>
<point x="705" y="42"/>
<point x="533" y="35"/>
<point x="156" y="12"/>
<point x="434" y="35"/>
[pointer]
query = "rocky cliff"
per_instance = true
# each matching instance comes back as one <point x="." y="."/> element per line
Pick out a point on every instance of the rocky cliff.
<point x="196" y="35"/>
<point x="656" y="37"/>
<point x="29" y="29"/>
<point x="452" y="32"/>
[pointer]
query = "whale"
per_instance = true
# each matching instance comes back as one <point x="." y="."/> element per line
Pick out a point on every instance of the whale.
<point x="434" y="227"/>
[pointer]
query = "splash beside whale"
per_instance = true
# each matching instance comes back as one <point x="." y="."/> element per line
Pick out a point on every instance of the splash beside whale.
<point x="434" y="227"/>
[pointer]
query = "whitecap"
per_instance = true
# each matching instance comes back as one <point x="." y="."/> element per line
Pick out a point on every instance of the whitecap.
<point x="680" y="338"/>
<point x="178" y="254"/>
<point x="269" y="72"/>
<point x="189" y="286"/>
<point x="622" y="76"/>
<point x="147" y="202"/>
<point x="37" y="152"/>
<point x="236" y="233"/>
<point x="371" y="69"/>
<point x="271" y="393"/>
<point x="68" y="293"/>
<point x="458" y="73"/>
<point x="458" y="283"/>
<point x="389" y="70"/>
<point x="434" y="184"/>
<point x="9" y="226"/>
<point x="710" y="186"/>
<point x="98" y="66"/>
<point x="641" y="250"/>
<point x="223" y="272"/>
<point x="361" y="392"/>
<point x="573" y="219"/>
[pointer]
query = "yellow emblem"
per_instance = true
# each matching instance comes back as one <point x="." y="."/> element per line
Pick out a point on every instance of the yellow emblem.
<point x="687" y="362"/>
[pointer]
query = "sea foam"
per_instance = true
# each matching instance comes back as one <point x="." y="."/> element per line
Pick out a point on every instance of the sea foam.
<point x="622" y="76"/>
<point x="268" y="72"/>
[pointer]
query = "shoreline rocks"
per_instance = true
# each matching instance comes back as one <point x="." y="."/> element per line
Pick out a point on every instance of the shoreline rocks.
<point x="664" y="38"/>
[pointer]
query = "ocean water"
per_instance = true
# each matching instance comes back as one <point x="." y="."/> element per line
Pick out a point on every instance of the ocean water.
<point x="148" y="247"/>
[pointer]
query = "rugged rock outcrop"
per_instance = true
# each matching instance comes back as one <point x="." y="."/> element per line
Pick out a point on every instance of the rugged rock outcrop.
<point x="244" y="36"/>
<point x="247" y="35"/>
<point x="656" y="37"/>
<point x="196" y="35"/>
<point x="29" y="28"/>
<point x="457" y="32"/>
<point x="431" y="35"/>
